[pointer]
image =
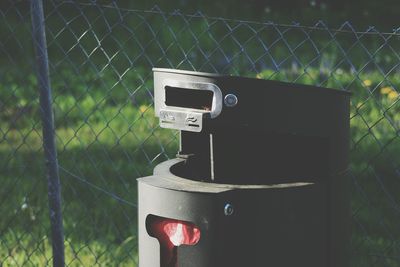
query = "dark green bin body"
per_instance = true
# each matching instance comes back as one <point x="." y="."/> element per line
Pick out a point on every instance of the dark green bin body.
<point x="279" y="157"/>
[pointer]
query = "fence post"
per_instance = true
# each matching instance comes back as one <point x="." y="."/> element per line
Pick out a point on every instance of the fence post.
<point x="50" y="152"/>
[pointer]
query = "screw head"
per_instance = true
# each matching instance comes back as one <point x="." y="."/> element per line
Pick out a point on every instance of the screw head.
<point x="230" y="100"/>
<point x="228" y="209"/>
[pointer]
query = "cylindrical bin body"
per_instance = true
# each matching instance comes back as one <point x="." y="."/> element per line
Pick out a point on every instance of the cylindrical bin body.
<point x="261" y="175"/>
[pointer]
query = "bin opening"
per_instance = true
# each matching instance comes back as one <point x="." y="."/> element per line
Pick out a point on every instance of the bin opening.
<point x="171" y="234"/>
<point x="188" y="98"/>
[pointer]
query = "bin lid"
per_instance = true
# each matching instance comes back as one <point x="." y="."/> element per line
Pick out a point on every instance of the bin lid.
<point x="189" y="100"/>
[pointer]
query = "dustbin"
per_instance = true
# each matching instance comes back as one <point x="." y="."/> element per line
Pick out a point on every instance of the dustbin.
<point x="259" y="179"/>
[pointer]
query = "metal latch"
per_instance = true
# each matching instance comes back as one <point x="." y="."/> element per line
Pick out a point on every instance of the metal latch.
<point x="185" y="105"/>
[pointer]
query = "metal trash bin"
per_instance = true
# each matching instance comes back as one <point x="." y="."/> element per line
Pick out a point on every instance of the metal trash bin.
<point x="259" y="179"/>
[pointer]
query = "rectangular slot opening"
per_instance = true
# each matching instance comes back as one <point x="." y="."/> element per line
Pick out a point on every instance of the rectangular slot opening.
<point x="188" y="98"/>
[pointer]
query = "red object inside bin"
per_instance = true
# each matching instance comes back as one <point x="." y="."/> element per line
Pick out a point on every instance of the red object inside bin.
<point x="171" y="234"/>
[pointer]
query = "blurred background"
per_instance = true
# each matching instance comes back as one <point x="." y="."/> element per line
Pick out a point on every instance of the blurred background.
<point x="100" y="56"/>
<point x="382" y="14"/>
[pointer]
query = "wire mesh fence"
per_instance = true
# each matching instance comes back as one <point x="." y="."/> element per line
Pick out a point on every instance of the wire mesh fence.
<point x="100" y="58"/>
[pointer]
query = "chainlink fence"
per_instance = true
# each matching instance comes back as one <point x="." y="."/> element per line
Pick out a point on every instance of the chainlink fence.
<point x="100" y="58"/>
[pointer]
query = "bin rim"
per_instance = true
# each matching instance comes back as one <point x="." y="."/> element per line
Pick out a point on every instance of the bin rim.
<point x="163" y="177"/>
<point x="277" y="82"/>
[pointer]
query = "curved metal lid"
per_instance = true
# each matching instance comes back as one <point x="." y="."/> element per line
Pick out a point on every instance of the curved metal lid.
<point x="187" y="72"/>
<point x="217" y="75"/>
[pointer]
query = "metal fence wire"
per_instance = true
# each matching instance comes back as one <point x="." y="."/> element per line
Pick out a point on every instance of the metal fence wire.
<point x="100" y="61"/>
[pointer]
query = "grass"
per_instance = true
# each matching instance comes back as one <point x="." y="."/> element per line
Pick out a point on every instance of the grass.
<point x="98" y="228"/>
<point x="105" y="142"/>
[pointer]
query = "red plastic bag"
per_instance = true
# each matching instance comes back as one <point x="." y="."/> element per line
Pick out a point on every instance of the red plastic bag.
<point x="171" y="234"/>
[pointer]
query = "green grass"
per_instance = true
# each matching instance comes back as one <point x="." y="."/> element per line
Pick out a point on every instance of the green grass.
<point x="106" y="140"/>
<point x="99" y="229"/>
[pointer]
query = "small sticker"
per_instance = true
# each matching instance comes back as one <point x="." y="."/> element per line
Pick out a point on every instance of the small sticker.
<point x="191" y="118"/>
<point x="167" y="116"/>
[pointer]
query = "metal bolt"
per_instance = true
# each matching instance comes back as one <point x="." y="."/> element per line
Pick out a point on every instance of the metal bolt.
<point x="230" y="100"/>
<point x="228" y="209"/>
